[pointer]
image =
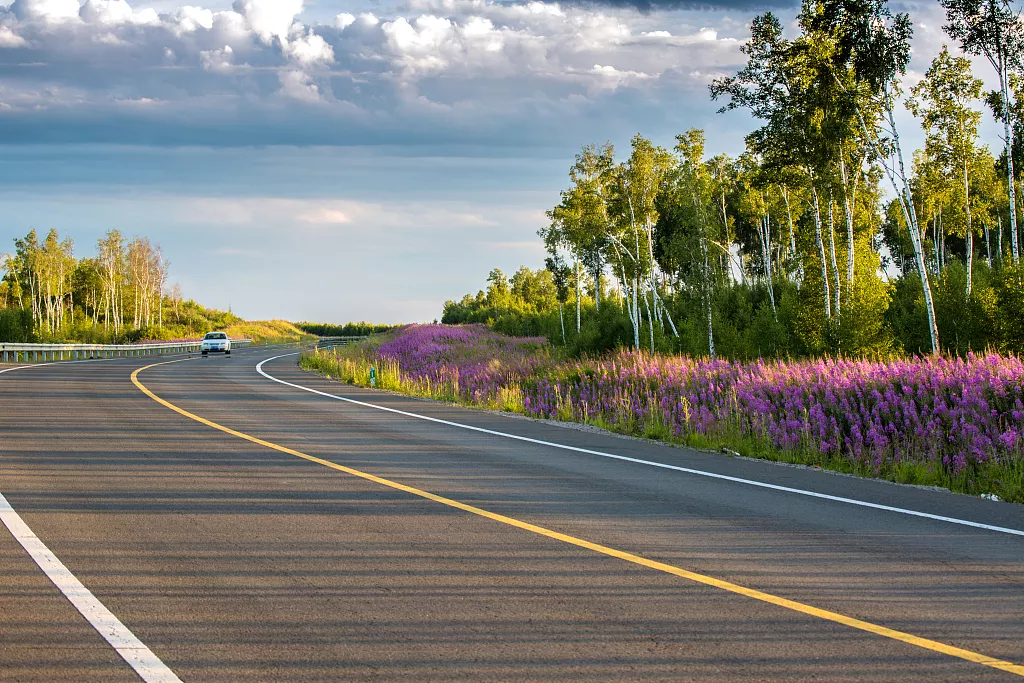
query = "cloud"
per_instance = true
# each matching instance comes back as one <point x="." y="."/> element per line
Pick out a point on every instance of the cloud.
<point x="106" y="12"/>
<point x="269" y="19"/>
<point x="702" y="5"/>
<point x="9" y="38"/>
<point x="297" y="85"/>
<point x="189" y="19"/>
<point x="217" y="60"/>
<point x="426" y="72"/>
<point x="310" y="49"/>
<point x="46" y="11"/>
<point x="323" y="215"/>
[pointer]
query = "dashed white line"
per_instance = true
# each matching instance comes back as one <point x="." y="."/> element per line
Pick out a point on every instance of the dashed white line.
<point x="649" y="463"/>
<point x="146" y="664"/>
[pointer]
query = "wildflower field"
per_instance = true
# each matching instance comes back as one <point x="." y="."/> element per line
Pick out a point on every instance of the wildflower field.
<point x="952" y="422"/>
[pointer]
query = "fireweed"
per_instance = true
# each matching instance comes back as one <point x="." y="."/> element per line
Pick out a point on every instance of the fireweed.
<point x="951" y="422"/>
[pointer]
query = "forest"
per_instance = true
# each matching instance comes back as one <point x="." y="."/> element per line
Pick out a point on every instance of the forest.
<point x="119" y="296"/>
<point x="824" y="237"/>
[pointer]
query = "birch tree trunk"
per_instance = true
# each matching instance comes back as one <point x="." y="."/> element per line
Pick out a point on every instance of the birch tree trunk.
<point x="910" y="215"/>
<point x="970" y="232"/>
<point x="707" y="298"/>
<point x="1004" y="86"/>
<point x="821" y="253"/>
<point x="970" y="261"/>
<point x="832" y="252"/>
<point x="561" y="321"/>
<point x="578" y="297"/>
<point x="849" y="205"/>
<point x="792" y="240"/>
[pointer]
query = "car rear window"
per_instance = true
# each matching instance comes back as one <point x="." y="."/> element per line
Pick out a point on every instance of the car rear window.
<point x="216" y="335"/>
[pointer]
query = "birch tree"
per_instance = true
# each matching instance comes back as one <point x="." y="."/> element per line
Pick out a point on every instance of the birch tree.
<point x="943" y="100"/>
<point x="993" y="29"/>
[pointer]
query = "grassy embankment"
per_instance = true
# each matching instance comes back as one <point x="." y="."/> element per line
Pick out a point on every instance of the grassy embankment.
<point x="618" y="393"/>
<point x="267" y="331"/>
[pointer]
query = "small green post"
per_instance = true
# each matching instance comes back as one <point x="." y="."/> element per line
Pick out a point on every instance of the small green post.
<point x="373" y="377"/>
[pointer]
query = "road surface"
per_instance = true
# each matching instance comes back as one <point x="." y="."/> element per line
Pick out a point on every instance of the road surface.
<point x="245" y="529"/>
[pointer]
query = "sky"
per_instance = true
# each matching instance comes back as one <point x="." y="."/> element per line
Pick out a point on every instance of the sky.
<point x="339" y="161"/>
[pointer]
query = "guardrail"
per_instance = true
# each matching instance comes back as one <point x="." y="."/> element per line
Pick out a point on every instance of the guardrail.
<point x="55" y="352"/>
<point x="330" y="342"/>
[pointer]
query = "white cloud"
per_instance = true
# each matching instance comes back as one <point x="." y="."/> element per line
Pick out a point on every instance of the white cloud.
<point x="324" y="215"/>
<point x="46" y="10"/>
<point x="9" y="38"/>
<point x="269" y="19"/>
<point x="188" y="19"/>
<point x="463" y="66"/>
<point x="344" y="20"/>
<point x="298" y="86"/>
<point x="309" y="50"/>
<point x="106" y="12"/>
<point x="217" y="60"/>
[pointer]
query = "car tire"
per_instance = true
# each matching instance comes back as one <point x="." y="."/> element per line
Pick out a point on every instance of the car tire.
<point x="227" y="353"/>
<point x="205" y="352"/>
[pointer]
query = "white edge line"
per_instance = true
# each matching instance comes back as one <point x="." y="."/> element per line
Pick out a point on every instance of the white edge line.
<point x="650" y="463"/>
<point x="60" y="362"/>
<point x="146" y="664"/>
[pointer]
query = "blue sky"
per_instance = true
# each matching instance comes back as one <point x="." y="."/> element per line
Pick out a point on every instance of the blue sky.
<point x="340" y="161"/>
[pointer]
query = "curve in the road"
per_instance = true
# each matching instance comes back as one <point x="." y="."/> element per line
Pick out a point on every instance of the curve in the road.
<point x="925" y="643"/>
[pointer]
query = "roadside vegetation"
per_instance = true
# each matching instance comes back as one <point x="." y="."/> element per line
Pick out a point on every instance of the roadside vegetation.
<point x="121" y="296"/>
<point x="939" y="421"/>
<point x="826" y="298"/>
<point x="360" y="329"/>
<point x="825" y="237"/>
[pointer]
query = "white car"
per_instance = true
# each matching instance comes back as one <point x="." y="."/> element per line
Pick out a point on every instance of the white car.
<point x="216" y="342"/>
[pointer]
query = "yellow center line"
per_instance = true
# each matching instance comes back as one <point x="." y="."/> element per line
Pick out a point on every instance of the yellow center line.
<point x="827" y="615"/>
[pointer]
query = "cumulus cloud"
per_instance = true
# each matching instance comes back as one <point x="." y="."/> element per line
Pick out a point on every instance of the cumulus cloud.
<point x="217" y="60"/>
<point x="309" y="50"/>
<point x="9" y="38"/>
<point x="188" y="19"/>
<point x="344" y="20"/>
<point x="269" y="19"/>
<point x="106" y="11"/>
<point x="655" y="5"/>
<point x="297" y="85"/>
<point x="258" y="73"/>
<point x="46" y="10"/>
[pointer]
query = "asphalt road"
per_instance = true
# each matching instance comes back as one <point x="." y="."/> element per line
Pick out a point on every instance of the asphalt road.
<point x="232" y="560"/>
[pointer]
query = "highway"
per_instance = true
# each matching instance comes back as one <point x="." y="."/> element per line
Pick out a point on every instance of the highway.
<point x="242" y="528"/>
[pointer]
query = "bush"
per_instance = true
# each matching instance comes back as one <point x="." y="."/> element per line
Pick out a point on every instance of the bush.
<point x="16" y="326"/>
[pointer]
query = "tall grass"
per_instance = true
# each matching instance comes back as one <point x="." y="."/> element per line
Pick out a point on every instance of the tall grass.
<point x="951" y="422"/>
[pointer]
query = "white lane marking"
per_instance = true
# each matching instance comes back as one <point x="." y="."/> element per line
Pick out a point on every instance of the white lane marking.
<point x="650" y="463"/>
<point x="58" y="362"/>
<point x="146" y="664"/>
<point x="36" y="365"/>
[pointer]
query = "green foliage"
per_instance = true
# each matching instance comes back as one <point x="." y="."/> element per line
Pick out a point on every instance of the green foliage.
<point x="16" y="326"/>
<point x="1009" y="302"/>
<point x="360" y="329"/>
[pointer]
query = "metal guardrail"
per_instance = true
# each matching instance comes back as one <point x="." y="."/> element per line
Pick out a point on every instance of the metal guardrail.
<point x="55" y="352"/>
<point x="329" y="343"/>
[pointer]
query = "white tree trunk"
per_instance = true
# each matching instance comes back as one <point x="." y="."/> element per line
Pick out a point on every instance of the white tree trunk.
<point x="832" y="252"/>
<point x="578" y="297"/>
<point x="970" y="231"/>
<point x="821" y="253"/>
<point x="1003" y="84"/>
